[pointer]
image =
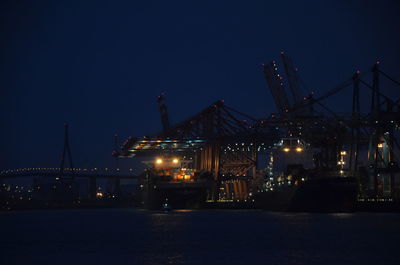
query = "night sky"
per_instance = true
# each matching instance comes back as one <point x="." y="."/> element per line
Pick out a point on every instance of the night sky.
<point x="99" y="65"/>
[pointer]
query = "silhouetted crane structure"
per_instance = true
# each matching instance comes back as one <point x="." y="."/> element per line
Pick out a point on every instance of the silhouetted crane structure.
<point x="202" y="136"/>
<point x="164" y="113"/>
<point x="275" y="83"/>
<point x="333" y="133"/>
<point x="293" y="79"/>
<point x="226" y="142"/>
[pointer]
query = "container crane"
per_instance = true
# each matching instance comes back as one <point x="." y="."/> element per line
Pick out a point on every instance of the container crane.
<point x="275" y="84"/>
<point x="163" y="113"/>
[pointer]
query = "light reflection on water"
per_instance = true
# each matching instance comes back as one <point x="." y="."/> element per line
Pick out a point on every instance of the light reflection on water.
<point x="342" y="215"/>
<point x="183" y="210"/>
<point x="129" y="236"/>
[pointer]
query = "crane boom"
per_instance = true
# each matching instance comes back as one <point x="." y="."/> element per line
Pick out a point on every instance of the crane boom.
<point x="163" y="113"/>
<point x="275" y="84"/>
<point x="293" y="79"/>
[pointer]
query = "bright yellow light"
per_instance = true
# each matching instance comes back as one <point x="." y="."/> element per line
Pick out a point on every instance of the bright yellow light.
<point x="343" y="153"/>
<point x="99" y="194"/>
<point x="159" y="161"/>
<point x="175" y="161"/>
<point x="380" y="145"/>
<point x="286" y="149"/>
<point x="299" y="149"/>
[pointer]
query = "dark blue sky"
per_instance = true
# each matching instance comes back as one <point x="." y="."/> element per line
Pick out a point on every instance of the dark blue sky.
<point x="99" y="65"/>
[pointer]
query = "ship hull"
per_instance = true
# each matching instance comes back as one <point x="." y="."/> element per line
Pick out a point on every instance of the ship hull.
<point x="336" y="194"/>
<point x="176" y="195"/>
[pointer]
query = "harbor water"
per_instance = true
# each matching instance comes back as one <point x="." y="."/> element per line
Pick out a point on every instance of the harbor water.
<point x="133" y="236"/>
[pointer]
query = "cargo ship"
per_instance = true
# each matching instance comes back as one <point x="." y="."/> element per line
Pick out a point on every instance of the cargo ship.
<point x="310" y="191"/>
<point x="170" y="183"/>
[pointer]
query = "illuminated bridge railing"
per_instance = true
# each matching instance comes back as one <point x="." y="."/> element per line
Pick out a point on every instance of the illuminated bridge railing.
<point x="77" y="172"/>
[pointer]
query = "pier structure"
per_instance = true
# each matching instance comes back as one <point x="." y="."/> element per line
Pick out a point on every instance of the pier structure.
<point x="206" y="139"/>
<point x="227" y="143"/>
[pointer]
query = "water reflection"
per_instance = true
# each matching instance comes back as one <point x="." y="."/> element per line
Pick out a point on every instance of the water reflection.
<point x="166" y="231"/>
<point x="342" y="215"/>
<point x="183" y="210"/>
<point x="128" y="236"/>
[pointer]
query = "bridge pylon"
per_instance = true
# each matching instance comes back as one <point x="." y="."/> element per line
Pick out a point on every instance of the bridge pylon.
<point x="66" y="151"/>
